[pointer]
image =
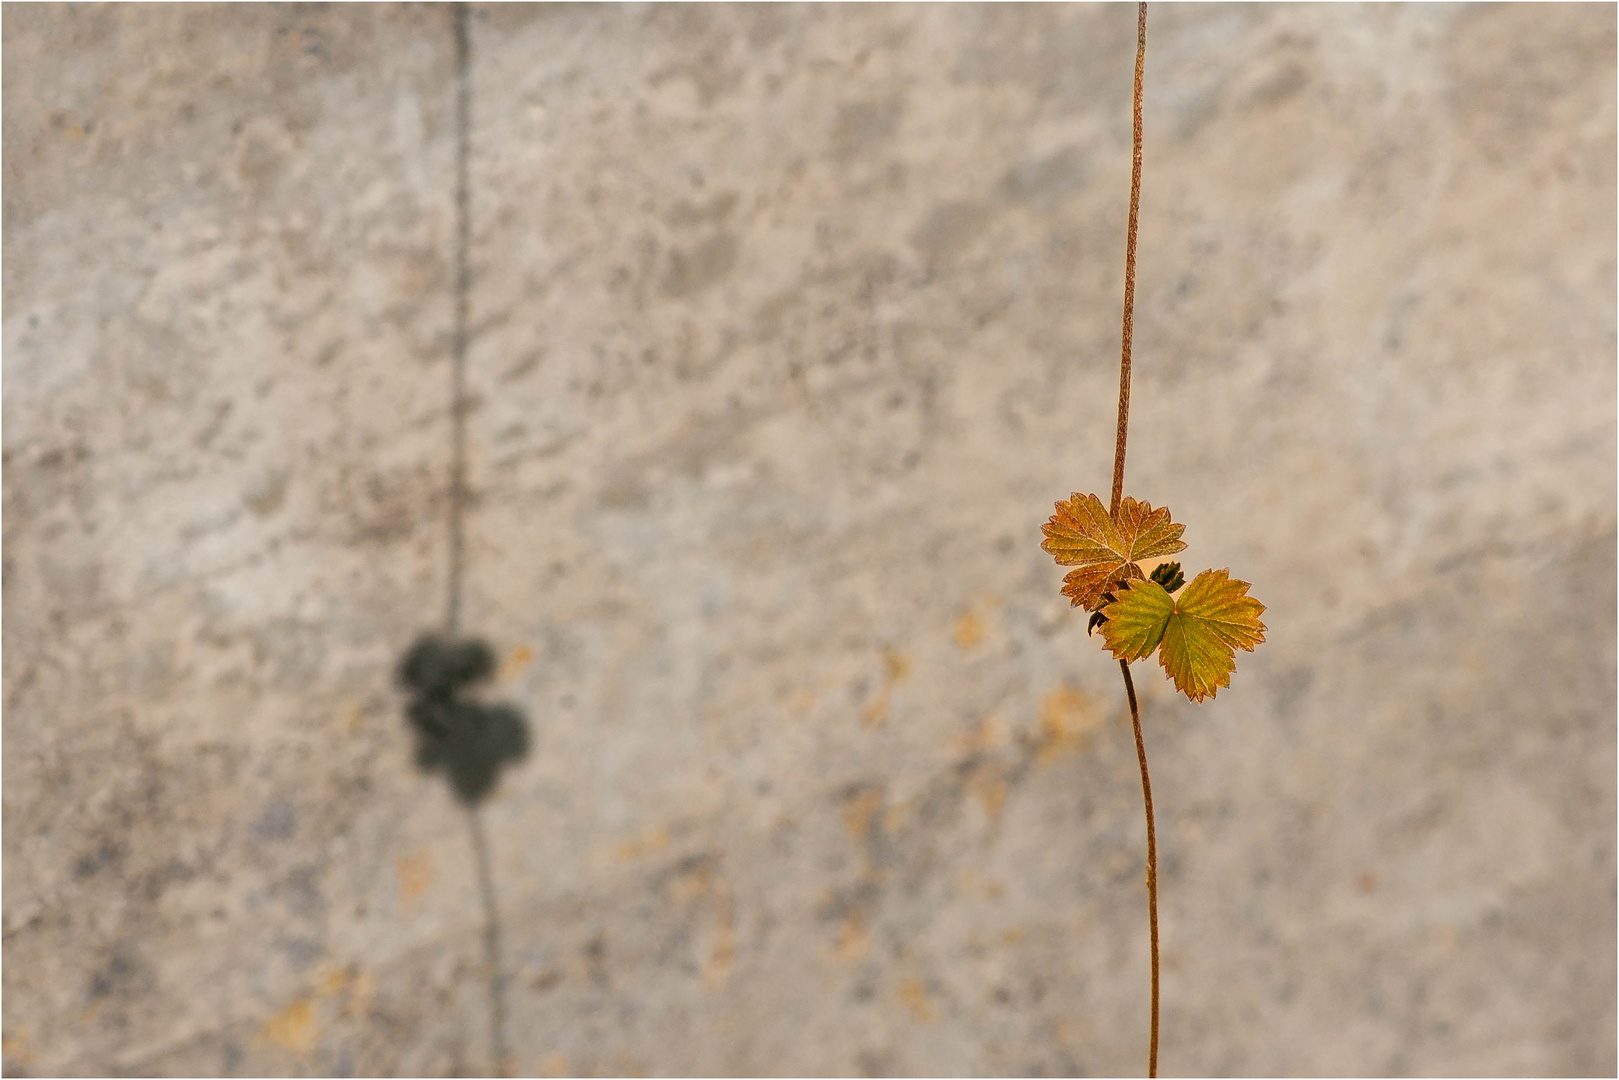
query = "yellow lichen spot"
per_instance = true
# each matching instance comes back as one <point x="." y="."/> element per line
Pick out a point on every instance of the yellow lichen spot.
<point x="514" y="663"/>
<point x="970" y="630"/>
<point x="859" y="809"/>
<point x="876" y="712"/>
<point x="293" y="1028"/>
<point x="15" y="1047"/>
<point x="1068" y="717"/>
<point x="554" y="1065"/>
<point x="914" y="996"/>
<point x="415" y="873"/>
<point x="652" y="840"/>
<point x="353" y="716"/>
<point x="724" y="954"/>
<point x="1012" y="935"/>
<point x="896" y="668"/>
<point x="332" y="981"/>
<point x="801" y="702"/>
<point x="854" y="941"/>
<point x="991" y="792"/>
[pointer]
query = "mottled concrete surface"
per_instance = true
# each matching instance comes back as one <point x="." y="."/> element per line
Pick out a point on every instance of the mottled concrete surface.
<point x="789" y="326"/>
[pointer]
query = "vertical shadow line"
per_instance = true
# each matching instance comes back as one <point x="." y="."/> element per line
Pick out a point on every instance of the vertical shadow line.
<point x="458" y="341"/>
<point x="461" y="14"/>
<point x="491" y="944"/>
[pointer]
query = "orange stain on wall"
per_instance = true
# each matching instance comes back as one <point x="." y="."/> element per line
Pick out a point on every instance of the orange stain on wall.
<point x="991" y="792"/>
<point x="1068" y="718"/>
<point x="896" y="668"/>
<point x="332" y="981"/>
<point x="914" y="996"/>
<point x="970" y="630"/>
<point x="652" y="840"/>
<point x="877" y="711"/>
<point x="719" y="963"/>
<point x="854" y="940"/>
<point x="859" y="809"/>
<point x="514" y="663"/>
<point x="293" y="1028"/>
<point x="355" y="985"/>
<point x="15" y="1047"/>
<point x="415" y="873"/>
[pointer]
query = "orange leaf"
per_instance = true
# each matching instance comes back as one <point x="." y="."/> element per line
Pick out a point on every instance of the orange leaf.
<point x="1105" y="548"/>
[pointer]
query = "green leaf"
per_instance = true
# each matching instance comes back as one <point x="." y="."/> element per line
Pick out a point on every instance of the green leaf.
<point x="1105" y="548"/>
<point x="1196" y="635"/>
<point x="1136" y="621"/>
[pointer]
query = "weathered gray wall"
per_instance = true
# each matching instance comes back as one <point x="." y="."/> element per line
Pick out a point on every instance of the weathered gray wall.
<point x="790" y="324"/>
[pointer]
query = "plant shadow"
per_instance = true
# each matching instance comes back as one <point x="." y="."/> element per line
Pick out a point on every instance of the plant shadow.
<point x="470" y="742"/>
<point x="466" y="739"/>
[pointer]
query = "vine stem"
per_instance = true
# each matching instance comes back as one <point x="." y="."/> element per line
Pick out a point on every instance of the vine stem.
<point x="1130" y="264"/>
<point x="1152" y="862"/>
<point x="1118" y="494"/>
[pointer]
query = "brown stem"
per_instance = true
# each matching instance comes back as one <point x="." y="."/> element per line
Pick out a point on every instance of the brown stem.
<point x="1152" y="862"/>
<point x="1118" y="494"/>
<point x="1130" y="265"/>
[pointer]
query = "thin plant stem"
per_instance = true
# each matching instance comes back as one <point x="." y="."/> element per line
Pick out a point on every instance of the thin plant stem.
<point x="1152" y="861"/>
<point x="1130" y="265"/>
<point x="1118" y="494"/>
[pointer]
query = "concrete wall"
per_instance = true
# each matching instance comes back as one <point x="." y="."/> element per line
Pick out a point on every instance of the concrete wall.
<point x="788" y="326"/>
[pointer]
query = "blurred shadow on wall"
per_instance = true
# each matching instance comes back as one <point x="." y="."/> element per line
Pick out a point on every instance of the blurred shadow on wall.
<point x="462" y="737"/>
<point x="469" y="741"/>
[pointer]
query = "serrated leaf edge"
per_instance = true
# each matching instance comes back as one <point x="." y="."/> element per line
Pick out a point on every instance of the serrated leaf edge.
<point x="1154" y="533"/>
<point x="1195" y="691"/>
